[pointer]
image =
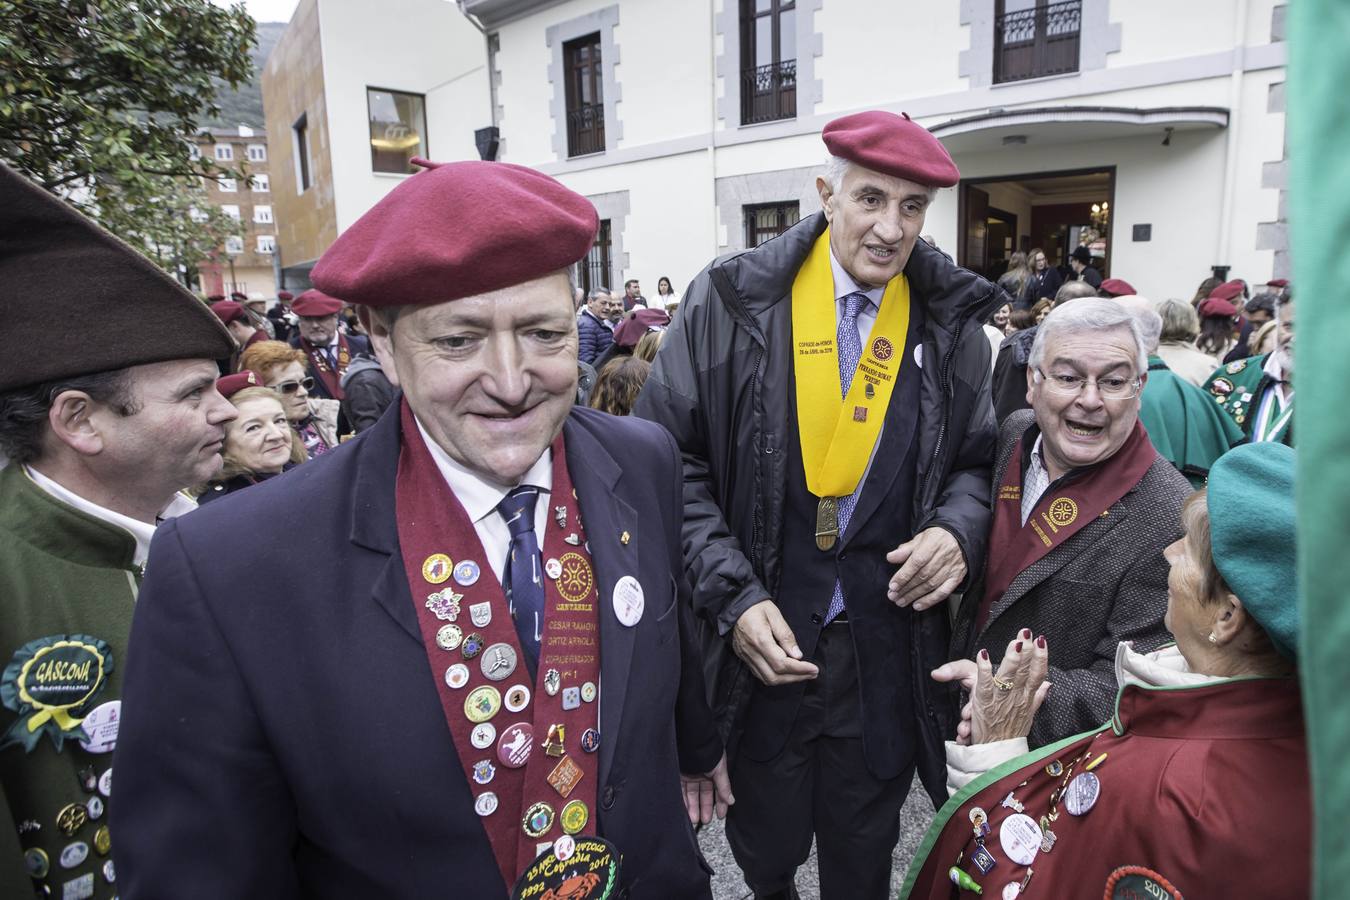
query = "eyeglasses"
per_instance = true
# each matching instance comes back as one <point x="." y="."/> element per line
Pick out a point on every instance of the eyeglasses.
<point x="1111" y="387"/>
<point x="290" y="387"/>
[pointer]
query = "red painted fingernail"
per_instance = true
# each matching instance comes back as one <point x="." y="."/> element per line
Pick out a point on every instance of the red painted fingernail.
<point x="1018" y="648"/>
<point x="1040" y="642"/>
<point x="984" y="654"/>
<point x="1026" y="633"/>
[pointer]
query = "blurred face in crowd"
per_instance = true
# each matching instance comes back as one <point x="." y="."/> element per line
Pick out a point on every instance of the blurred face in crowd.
<point x="174" y="437"/>
<point x="634" y="290"/>
<point x="319" y="330"/>
<point x="1284" y="337"/>
<point x="289" y="383"/>
<point x="490" y="377"/>
<point x="241" y="330"/>
<point x="599" y="305"/>
<point x="1084" y="426"/>
<point x="663" y="287"/>
<point x="259" y="440"/>
<point x="1001" y="317"/>
<point x="614" y="308"/>
<point x="1045" y="311"/>
<point x="1038" y="263"/>
<point x="874" y="221"/>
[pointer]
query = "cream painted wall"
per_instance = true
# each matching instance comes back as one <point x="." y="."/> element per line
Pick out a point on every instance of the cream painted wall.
<point x="880" y="53"/>
<point x="1260" y="139"/>
<point x="665" y="68"/>
<point x="419" y="46"/>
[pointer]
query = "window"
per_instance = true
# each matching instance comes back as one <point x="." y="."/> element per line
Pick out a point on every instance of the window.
<point x="257" y="153"/>
<point x="228" y="185"/>
<point x="262" y="215"/>
<point x="584" y="96"/>
<point x="234" y="245"/>
<point x="398" y="127"/>
<point x="261" y="184"/>
<point x="196" y="215"/>
<point x="230" y="210"/>
<point x="224" y="152"/>
<point x="267" y="243"/>
<point x="593" y="271"/>
<point x="300" y="134"/>
<point x="194" y="151"/>
<point x="768" y="220"/>
<point x="1033" y="38"/>
<point x="768" y="60"/>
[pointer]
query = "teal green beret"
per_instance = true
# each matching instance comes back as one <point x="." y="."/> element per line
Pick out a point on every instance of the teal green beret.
<point x="1251" y="521"/>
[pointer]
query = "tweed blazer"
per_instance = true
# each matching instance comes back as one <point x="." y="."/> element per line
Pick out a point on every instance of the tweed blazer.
<point x="1105" y="584"/>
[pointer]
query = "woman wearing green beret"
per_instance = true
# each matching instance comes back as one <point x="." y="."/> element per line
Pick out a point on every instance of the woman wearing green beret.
<point x="1198" y="786"/>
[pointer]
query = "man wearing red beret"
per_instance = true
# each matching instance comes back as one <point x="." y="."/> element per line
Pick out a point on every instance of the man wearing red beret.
<point x="104" y="419"/>
<point x="237" y="322"/>
<point x="330" y="352"/>
<point x="829" y="391"/>
<point x="477" y="654"/>
<point x="1258" y="392"/>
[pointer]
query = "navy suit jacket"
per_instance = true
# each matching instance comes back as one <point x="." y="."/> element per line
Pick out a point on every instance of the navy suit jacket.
<point x="282" y="735"/>
<point x="359" y="346"/>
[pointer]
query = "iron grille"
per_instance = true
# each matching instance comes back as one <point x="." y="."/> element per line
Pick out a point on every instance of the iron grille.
<point x="1033" y="43"/>
<point x="769" y="92"/>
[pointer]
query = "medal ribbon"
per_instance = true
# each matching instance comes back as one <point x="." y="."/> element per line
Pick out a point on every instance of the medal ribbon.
<point x="431" y="521"/>
<point x="1059" y="514"/>
<point x="1266" y="430"/>
<point x="837" y="436"/>
<point x="319" y="360"/>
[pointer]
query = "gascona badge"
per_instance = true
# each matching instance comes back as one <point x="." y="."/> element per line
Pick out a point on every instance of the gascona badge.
<point x="51" y="683"/>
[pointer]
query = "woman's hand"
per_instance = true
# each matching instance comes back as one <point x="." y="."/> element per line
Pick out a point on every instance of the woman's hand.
<point x="1004" y="703"/>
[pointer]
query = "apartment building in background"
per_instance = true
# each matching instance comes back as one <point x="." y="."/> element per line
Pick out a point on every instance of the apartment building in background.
<point x="245" y="261"/>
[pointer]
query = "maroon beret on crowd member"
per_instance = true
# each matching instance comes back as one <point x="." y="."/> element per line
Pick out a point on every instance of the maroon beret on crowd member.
<point x="238" y="297"/>
<point x="76" y="300"/>
<point x="230" y="385"/>
<point x="214" y="298"/>
<point x="1116" y="287"/>
<point x="316" y="304"/>
<point x="1278" y="283"/>
<point x="1229" y="290"/>
<point x="458" y="230"/>
<point x="637" y="323"/>
<point x="1217" y="306"/>
<point x="285" y="296"/>
<point x="892" y="145"/>
<point x="227" y="311"/>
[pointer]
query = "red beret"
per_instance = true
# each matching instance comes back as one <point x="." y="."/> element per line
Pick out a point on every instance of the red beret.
<point x="233" y="384"/>
<point x="1278" y="283"/>
<point x="893" y="145"/>
<point x="637" y="323"/>
<point x="236" y="295"/>
<point x="1117" y="287"/>
<point x="314" y="304"/>
<point x="214" y="298"/>
<point x="227" y="310"/>
<point x="1217" y="306"/>
<point x="285" y="295"/>
<point x="458" y="230"/>
<point x="1228" y="290"/>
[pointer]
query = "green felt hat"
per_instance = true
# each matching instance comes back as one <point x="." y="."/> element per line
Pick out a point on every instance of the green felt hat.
<point x="1251" y="521"/>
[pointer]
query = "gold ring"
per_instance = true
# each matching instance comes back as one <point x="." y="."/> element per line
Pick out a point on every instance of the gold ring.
<point x="1002" y="685"/>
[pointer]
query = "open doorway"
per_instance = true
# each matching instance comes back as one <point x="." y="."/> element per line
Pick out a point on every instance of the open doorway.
<point x="1052" y="211"/>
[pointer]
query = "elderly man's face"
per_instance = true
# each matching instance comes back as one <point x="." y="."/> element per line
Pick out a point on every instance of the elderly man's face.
<point x="874" y="221"/>
<point x="319" y="330"/>
<point x="1083" y="428"/>
<point x="614" y="308"/>
<point x="1284" y="337"/>
<point x="598" y="304"/>
<point x="490" y="377"/>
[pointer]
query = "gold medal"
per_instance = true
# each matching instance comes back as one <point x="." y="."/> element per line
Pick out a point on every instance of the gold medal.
<point x="827" y="523"/>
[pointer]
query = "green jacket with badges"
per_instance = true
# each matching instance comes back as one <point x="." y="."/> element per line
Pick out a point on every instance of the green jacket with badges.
<point x="1183" y="425"/>
<point x="1238" y="388"/>
<point x="67" y="588"/>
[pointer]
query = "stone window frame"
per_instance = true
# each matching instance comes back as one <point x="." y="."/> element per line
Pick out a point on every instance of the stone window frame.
<point x="1097" y="38"/>
<point x="604" y="21"/>
<point x="614" y="206"/>
<point x="810" y="44"/>
<point x="735" y="192"/>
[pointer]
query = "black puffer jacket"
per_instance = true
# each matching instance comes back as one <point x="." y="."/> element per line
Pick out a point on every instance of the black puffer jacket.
<point x="720" y="385"/>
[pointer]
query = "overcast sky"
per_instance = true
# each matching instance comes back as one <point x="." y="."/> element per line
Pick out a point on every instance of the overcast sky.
<point x="265" y="10"/>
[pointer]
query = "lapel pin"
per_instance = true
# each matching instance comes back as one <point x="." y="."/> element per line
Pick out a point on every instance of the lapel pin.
<point x="624" y="538"/>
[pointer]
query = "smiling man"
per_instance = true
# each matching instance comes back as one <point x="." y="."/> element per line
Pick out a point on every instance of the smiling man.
<point x="829" y="390"/>
<point x="475" y="652"/>
<point x="1083" y="508"/>
<point x="102" y="422"/>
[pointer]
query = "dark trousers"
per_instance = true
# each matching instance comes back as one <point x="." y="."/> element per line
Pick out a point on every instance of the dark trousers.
<point x="819" y="784"/>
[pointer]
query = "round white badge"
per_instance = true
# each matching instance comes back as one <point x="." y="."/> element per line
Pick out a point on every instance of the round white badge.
<point x="457" y="675"/>
<point x="1021" y="838"/>
<point x="628" y="601"/>
<point x="100" y="727"/>
<point x="918" y="355"/>
<point x="553" y="568"/>
<point x="516" y="698"/>
<point x="74" y="854"/>
<point x="1011" y="890"/>
<point x="95" y="807"/>
<point x="1082" y="794"/>
<point x="105" y="783"/>
<point x="484" y="734"/>
<point x="486" y="804"/>
<point x="564" y="847"/>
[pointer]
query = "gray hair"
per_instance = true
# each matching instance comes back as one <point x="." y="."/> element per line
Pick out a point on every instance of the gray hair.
<point x="598" y="291"/>
<point x="836" y="167"/>
<point x="1150" y="323"/>
<point x="1088" y="315"/>
<point x="1179" y="321"/>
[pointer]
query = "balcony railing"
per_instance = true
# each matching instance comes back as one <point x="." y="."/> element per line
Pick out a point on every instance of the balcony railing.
<point x="769" y="92"/>
<point x="1033" y="43"/>
<point x="586" y="129"/>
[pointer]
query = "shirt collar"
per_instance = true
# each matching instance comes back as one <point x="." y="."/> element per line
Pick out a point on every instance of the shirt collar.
<point x="479" y="497"/>
<point x="141" y="531"/>
<point x="1273" y="368"/>
<point x="845" y="284"/>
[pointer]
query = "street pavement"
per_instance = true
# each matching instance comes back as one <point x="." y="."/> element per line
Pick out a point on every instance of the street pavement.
<point x="727" y="883"/>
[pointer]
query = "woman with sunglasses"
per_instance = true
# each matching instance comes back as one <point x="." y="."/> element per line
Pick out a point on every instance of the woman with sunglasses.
<point x="282" y="368"/>
<point x="259" y="441"/>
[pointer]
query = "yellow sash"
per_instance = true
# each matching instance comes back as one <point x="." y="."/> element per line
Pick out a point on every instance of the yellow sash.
<point x="837" y="436"/>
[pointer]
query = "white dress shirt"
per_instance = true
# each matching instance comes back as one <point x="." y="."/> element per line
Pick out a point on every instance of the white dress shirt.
<point x="480" y="498"/>
<point x="141" y="531"/>
<point x="1034" y="482"/>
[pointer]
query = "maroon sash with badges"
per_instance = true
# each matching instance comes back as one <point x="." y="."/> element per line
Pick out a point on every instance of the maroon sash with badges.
<point x="318" y="358"/>
<point x="528" y="750"/>
<point x="1059" y="514"/>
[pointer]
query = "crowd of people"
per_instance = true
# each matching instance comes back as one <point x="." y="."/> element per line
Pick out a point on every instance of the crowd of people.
<point x="450" y="573"/>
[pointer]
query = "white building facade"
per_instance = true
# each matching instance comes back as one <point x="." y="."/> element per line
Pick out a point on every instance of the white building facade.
<point x="1153" y="131"/>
